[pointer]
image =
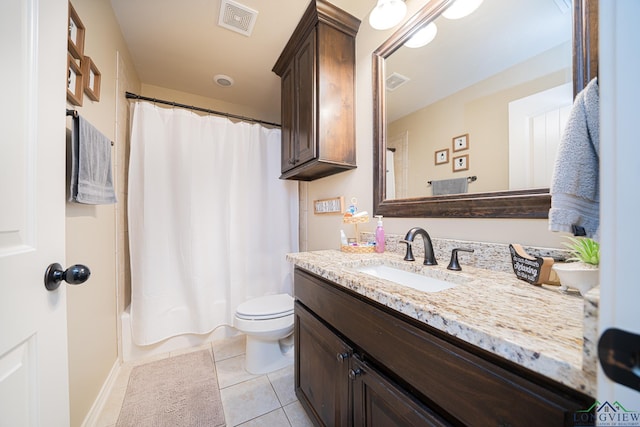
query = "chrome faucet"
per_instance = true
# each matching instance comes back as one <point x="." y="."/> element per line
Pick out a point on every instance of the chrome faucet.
<point x="429" y="257"/>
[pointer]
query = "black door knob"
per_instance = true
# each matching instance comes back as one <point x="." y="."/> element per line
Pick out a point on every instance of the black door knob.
<point x="73" y="275"/>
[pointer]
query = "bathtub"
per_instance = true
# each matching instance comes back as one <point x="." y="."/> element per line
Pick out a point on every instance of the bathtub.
<point x="132" y="351"/>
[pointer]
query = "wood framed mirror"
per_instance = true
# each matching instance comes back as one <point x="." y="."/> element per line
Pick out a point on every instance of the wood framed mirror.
<point x="508" y="203"/>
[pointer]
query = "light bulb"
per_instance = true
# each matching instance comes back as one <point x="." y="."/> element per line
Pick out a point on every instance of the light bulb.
<point x="423" y="36"/>
<point x="461" y="8"/>
<point x="387" y="14"/>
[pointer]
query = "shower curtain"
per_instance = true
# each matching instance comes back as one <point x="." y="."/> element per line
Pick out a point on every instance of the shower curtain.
<point x="209" y="220"/>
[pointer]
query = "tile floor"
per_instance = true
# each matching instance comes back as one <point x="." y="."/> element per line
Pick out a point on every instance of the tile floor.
<point x="248" y="400"/>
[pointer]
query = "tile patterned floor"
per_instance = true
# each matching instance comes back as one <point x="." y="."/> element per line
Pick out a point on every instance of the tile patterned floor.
<point x="248" y="400"/>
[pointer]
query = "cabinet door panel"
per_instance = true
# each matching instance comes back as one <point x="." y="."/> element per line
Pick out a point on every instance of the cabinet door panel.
<point x="322" y="383"/>
<point x="377" y="402"/>
<point x="288" y="119"/>
<point x="305" y="61"/>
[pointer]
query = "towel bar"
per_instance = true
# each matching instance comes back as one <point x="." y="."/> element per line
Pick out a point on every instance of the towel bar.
<point x="74" y="114"/>
<point x="469" y="179"/>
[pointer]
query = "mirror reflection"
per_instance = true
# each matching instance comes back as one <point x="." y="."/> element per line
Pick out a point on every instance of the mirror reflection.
<point x="481" y="107"/>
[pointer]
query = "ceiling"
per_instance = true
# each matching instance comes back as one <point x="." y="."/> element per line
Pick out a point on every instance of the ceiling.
<point x="179" y="45"/>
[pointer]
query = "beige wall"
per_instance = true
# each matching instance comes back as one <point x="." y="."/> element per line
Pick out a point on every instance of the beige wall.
<point x="482" y="111"/>
<point x="91" y="230"/>
<point x="323" y="230"/>
<point x="185" y="98"/>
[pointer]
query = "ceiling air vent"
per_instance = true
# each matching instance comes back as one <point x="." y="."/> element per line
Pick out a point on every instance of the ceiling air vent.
<point x="237" y="17"/>
<point x="394" y="81"/>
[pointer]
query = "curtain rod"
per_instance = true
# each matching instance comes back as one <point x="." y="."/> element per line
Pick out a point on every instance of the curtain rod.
<point x="130" y="95"/>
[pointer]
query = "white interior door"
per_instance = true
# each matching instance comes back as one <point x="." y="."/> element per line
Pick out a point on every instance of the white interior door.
<point x="619" y="68"/>
<point x="33" y="330"/>
<point x="536" y="124"/>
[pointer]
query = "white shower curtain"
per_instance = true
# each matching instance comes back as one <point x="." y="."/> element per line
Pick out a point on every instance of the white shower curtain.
<point x="209" y="220"/>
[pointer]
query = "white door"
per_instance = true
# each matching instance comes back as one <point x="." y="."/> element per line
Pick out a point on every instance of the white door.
<point x="536" y="124"/>
<point x="619" y="68"/>
<point x="33" y="325"/>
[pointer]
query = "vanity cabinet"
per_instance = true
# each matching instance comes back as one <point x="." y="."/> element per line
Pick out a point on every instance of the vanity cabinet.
<point x="404" y="372"/>
<point x="317" y="71"/>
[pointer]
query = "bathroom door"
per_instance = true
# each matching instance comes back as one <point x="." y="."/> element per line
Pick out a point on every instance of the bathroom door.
<point x="33" y="329"/>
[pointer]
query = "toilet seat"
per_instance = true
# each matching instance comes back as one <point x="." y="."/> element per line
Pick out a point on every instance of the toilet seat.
<point x="265" y="308"/>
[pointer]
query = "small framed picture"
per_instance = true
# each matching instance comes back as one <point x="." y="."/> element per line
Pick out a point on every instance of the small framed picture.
<point x="461" y="163"/>
<point x="75" y="39"/>
<point x="74" y="81"/>
<point x="442" y="156"/>
<point x="328" y="206"/>
<point x="91" y="78"/>
<point x="461" y="142"/>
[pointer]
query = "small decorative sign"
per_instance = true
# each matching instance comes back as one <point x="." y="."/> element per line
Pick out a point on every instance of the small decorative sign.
<point x="91" y="76"/>
<point x="328" y="206"/>
<point x="74" y="81"/>
<point x="442" y="156"/>
<point x="535" y="270"/>
<point x="461" y="163"/>
<point x="461" y="142"/>
<point x="75" y="36"/>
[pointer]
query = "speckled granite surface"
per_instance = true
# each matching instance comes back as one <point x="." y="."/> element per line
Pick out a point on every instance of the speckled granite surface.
<point x="539" y="328"/>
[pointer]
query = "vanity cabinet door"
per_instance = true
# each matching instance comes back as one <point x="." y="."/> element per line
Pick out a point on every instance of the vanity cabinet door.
<point x="321" y="370"/>
<point x="378" y="402"/>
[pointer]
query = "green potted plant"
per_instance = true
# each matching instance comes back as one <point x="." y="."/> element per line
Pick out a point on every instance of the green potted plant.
<point x="581" y="270"/>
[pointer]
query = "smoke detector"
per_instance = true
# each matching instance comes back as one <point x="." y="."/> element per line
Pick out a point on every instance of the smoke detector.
<point x="223" y="80"/>
<point x="237" y="17"/>
<point x="394" y="81"/>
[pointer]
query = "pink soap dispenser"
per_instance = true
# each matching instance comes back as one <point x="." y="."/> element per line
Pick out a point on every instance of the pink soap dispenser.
<point x="379" y="235"/>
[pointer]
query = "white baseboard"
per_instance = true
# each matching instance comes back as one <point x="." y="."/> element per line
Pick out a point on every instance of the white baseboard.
<point x="98" y="405"/>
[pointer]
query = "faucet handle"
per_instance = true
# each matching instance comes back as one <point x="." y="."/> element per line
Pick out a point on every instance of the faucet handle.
<point x="454" y="264"/>
<point x="409" y="255"/>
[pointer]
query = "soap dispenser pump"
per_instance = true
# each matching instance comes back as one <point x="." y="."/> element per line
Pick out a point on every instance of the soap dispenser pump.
<point x="379" y="235"/>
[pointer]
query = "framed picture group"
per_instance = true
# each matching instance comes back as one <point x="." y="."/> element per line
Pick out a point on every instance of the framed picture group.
<point x="459" y="162"/>
<point x="83" y="76"/>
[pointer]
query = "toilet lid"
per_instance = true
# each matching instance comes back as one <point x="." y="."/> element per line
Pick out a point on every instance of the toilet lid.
<point x="267" y="307"/>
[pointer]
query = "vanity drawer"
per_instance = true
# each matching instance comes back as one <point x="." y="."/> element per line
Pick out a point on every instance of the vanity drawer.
<point x="444" y="374"/>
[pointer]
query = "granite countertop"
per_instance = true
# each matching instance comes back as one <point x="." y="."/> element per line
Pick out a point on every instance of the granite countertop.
<point x="537" y="327"/>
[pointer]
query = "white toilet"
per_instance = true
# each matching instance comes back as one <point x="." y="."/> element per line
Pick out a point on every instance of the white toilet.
<point x="268" y="324"/>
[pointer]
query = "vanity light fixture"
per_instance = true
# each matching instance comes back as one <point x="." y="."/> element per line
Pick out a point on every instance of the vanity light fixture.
<point x="461" y="8"/>
<point x="387" y="14"/>
<point x="423" y="36"/>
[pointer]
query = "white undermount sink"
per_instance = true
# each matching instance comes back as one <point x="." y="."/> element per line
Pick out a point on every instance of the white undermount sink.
<point x="406" y="278"/>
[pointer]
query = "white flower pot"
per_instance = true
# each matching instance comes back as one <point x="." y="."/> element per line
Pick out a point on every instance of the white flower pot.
<point x="577" y="275"/>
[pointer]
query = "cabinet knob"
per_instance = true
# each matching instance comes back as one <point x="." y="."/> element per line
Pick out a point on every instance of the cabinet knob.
<point x="355" y="373"/>
<point x="342" y="356"/>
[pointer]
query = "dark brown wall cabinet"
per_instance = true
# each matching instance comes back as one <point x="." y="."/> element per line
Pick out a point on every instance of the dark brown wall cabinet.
<point x="359" y="363"/>
<point x="317" y="71"/>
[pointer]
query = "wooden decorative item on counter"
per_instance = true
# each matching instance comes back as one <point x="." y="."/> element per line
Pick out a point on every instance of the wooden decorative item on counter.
<point x="317" y="71"/>
<point x="91" y="78"/>
<point x="358" y="248"/>
<point x="534" y="270"/>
